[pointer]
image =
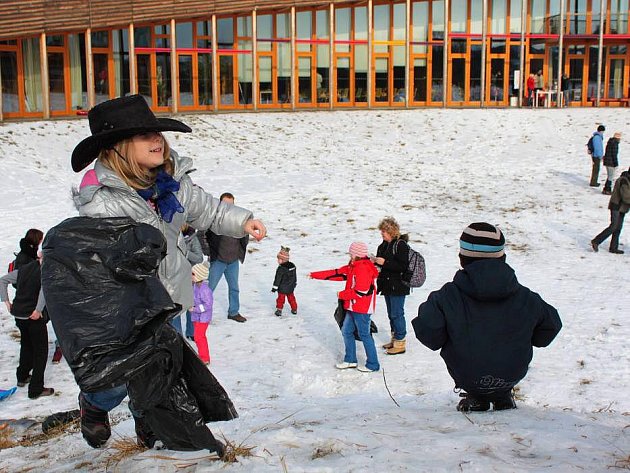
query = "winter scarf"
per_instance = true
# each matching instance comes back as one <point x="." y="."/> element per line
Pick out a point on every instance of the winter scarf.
<point x="162" y="193"/>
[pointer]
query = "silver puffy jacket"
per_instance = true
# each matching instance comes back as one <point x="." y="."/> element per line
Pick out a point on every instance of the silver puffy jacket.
<point x="113" y="198"/>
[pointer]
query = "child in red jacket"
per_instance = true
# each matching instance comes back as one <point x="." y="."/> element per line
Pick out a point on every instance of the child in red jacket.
<point x="359" y="298"/>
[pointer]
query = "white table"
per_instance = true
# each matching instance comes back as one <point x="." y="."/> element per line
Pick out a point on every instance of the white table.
<point x="548" y="96"/>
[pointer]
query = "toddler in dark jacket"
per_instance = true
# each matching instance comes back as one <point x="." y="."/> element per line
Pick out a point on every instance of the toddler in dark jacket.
<point x="485" y="322"/>
<point x="285" y="281"/>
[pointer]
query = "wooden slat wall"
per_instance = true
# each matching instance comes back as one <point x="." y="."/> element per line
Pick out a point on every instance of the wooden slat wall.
<point x="20" y="18"/>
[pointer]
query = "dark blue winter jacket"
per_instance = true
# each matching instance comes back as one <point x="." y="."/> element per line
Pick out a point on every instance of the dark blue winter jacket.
<point x="486" y="323"/>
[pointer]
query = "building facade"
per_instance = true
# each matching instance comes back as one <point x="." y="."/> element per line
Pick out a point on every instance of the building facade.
<point x="61" y="57"/>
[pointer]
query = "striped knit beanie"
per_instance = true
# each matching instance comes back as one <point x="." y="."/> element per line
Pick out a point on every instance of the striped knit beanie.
<point x="481" y="240"/>
<point x="200" y="272"/>
<point x="358" y="249"/>
<point x="283" y="254"/>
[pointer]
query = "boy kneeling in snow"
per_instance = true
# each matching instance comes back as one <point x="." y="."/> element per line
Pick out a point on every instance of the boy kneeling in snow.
<point x="485" y="322"/>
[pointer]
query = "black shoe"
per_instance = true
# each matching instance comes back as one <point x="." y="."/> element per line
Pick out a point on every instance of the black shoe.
<point x="237" y="318"/>
<point x="616" y="251"/>
<point x="595" y="246"/>
<point x="504" y="402"/>
<point x="146" y="437"/>
<point x="94" y="424"/>
<point x="278" y="312"/>
<point x="294" y="312"/>
<point x="470" y="403"/>
<point x="43" y="392"/>
<point x="595" y="185"/>
<point x="21" y="384"/>
<point x="59" y="419"/>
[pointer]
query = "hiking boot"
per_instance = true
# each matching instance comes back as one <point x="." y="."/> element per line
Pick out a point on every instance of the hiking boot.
<point x="616" y="251"/>
<point x="57" y="355"/>
<point x="21" y="384"/>
<point x="345" y="365"/>
<point x="278" y="312"/>
<point x="365" y="369"/>
<point x="146" y="437"/>
<point x="472" y="404"/>
<point x="44" y="392"/>
<point x="237" y="318"/>
<point x="94" y="424"/>
<point x="398" y="348"/>
<point x="504" y="402"/>
<point x="595" y="246"/>
<point x="294" y="312"/>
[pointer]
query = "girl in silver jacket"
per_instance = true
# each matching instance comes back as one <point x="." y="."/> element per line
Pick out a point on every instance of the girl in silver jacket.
<point x="137" y="175"/>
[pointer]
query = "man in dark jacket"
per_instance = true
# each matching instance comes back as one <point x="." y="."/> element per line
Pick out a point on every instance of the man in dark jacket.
<point x="485" y="323"/>
<point x="226" y="253"/>
<point x="618" y="205"/>
<point x="30" y="318"/>
<point x="611" y="162"/>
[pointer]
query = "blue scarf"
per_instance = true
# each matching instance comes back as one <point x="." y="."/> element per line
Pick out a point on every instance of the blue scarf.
<point x="162" y="193"/>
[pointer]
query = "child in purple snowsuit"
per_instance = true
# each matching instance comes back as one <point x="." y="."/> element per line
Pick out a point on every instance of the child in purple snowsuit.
<point x="201" y="312"/>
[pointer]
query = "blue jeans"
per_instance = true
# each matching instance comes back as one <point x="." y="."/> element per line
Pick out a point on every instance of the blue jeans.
<point x="396" y="313"/>
<point x="108" y="399"/>
<point x="177" y="323"/>
<point x="230" y="270"/>
<point x="362" y="324"/>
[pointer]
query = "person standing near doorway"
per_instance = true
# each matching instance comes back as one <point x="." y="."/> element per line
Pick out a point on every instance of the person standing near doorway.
<point x="226" y="253"/>
<point x="565" y="86"/>
<point x="539" y="84"/>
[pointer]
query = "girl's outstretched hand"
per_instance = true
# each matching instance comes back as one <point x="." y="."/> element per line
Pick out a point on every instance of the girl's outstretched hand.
<point x="255" y="228"/>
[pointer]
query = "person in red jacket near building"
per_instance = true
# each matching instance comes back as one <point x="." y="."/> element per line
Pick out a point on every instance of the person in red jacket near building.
<point x="359" y="299"/>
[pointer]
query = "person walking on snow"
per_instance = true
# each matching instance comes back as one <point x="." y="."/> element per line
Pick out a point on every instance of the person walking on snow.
<point x="618" y="205"/>
<point x="285" y="282"/>
<point x="359" y="300"/>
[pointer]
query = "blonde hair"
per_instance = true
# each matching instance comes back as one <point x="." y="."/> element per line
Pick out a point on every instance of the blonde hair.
<point x="390" y="225"/>
<point x="128" y="169"/>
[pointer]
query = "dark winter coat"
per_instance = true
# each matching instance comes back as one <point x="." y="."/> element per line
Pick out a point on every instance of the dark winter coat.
<point x="396" y="255"/>
<point x="612" y="150"/>
<point x="111" y="312"/>
<point x="485" y="324"/>
<point x="215" y="241"/>
<point x="27" y="254"/>
<point x="620" y="197"/>
<point x="286" y="278"/>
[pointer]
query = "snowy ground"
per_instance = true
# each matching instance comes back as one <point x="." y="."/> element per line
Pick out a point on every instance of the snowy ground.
<point x="320" y="181"/>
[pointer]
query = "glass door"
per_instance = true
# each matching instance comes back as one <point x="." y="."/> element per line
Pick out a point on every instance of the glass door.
<point x="145" y="76"/>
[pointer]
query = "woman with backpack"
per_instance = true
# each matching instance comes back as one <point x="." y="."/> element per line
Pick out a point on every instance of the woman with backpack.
<point x="392" y="258"/>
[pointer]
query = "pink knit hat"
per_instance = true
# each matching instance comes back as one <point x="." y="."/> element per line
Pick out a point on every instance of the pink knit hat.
<point x="358" y="249"/>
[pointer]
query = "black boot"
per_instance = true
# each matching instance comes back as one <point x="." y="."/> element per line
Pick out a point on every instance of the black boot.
<point x="146" y="437"/>
<point x="470" y="403"/>
<point x="504" y="401"/>
<point x="607" y="188"/>
<point x="94" y="424"/>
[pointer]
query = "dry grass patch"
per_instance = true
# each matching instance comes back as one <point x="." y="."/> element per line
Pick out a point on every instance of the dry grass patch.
<point x="233" y="451"/>
<point x="121" y="449"/>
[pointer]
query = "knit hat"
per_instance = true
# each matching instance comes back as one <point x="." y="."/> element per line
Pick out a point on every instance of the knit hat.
<point x="358" y="249"/>
<point x="283" y="254"/>
<point x="200" y="271"/>
<point x="480" y="240"/>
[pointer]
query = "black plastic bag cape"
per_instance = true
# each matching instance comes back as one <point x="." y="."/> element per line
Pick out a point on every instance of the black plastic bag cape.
<point x="110" y="313"/>
<point x="340" y="316"/>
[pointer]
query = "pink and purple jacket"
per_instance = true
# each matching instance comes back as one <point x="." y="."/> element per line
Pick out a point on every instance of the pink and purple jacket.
<point x="202" y="310"/>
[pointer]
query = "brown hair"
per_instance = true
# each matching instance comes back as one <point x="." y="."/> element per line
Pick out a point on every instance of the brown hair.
<point x="34" y="237"/>
<point x="128" y="169"/>
<point x="390" y="225"/>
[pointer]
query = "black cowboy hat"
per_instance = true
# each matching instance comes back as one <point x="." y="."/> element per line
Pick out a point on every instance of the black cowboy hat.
<point x="115" y="120"/>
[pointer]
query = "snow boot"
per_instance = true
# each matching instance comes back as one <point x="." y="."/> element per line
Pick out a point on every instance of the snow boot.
<point x="389" y="344"/>
<point x="470" y="403"/>
<point x="145" y="436"/>
<point x="398" y="347"/>
<point x="94" y="424"/>
<point x="504" y="401"/>
<point x="278" y="312"/>
<point x="607" y="188"/>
